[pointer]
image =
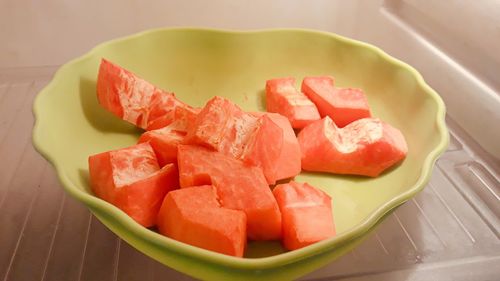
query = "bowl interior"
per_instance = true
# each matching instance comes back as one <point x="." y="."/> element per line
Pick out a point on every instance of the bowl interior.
<point x="198" y="64"/>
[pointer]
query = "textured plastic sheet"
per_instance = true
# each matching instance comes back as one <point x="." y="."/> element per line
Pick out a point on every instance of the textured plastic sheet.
<point x="450" y="231"/>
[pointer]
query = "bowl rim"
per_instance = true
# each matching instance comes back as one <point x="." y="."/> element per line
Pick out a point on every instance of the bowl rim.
<point x="96" y="204"/>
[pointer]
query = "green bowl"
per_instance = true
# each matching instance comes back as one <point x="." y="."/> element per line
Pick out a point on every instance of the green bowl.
<point x="199" y="63"/>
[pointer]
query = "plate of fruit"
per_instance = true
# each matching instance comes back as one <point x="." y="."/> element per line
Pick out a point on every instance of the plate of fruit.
<point x="240" y="155"/>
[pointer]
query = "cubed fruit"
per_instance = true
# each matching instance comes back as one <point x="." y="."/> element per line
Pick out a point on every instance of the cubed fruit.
<point x="264" y="148"/>
<point x="282" y="97"/>
<point x="288" y="162"/>
<point x="165" y="140"/>
<point x="184" y="115"/>
<point x="239" y="186"/>
<point x="224" y="127"/>
<point x="131" y="179"/>
<point x="306" y="213"/>
<point x="194" y="216"/>
<point x="365" y="147"/>
<point x="131" y="98"/>
<point x="343" y="106"/>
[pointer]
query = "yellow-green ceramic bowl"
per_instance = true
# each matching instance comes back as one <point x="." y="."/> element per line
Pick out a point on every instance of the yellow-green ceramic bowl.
<point x="197" y="64"/>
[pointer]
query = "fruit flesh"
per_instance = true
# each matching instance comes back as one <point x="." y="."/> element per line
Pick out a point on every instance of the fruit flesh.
<point x="264" y="148"/>
<point x="343" y="106"/>
<point x="221" y="125"/>
<point x="288" y="162"/>
<point x="131" y="179"/>
<point x="365" y="147"/>
<point x="282" y="97"/>
<point x="194" y="216"/>
<point x="164" y="141"/>
<point x="132" y="98"/>
<point x="141" y="200"/>
<point x="239" y="186"/>
<point x="182" y="114"/>
<point x="306" y="212"/>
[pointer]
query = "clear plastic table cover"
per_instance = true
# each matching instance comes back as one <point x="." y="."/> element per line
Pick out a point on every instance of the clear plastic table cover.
<point x="450" y="231"/>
